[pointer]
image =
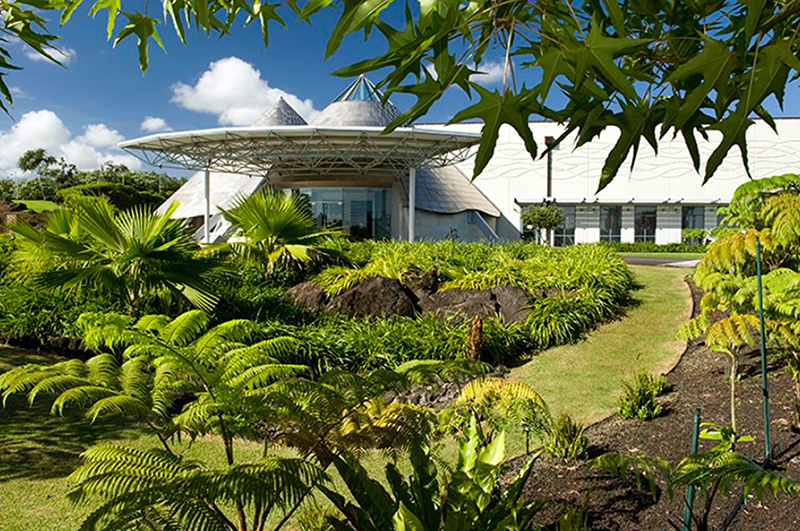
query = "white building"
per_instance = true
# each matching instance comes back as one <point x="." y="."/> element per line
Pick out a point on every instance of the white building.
<point x="360" y="179"/>
<point x="654" y="201"/>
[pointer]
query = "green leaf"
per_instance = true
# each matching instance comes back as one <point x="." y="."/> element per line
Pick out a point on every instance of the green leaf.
<point x="68" y="10"/>
<point x="357" y="14"/>
<point x="264" y="13"/>
<point x="714" y="64"/>
<point x="496" y="109"/>
<point x="405" y="520"/>
<point x="734" y="131"/>
<point x="754" y="10"/>
<point x="598" y="54"/>
<point x="113" y="7"/>
<point x="144" y="28"/>
<point x="616" y="16"/>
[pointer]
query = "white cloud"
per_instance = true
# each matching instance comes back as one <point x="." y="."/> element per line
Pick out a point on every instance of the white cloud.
<point x="19" y="94"/>
<point x="63" y="55"/>
<point x="44" y="129"/>
<point x="154" y="124"/>
<point x="100" y="136"/>
<point x="491" y="72"/>
<point x="233" y="90"/>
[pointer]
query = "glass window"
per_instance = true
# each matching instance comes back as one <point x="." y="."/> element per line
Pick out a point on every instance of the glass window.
<point x="363" y="212"/>
<point x="644" y="224"/>
<point x="564" y="234"/>
<point x="611" y="223"/>
<point x="694" y="217"/>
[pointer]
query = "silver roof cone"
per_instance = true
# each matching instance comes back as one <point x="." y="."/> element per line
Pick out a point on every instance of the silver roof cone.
<point x="281" y="113"/>
<point x="359" y="105"/>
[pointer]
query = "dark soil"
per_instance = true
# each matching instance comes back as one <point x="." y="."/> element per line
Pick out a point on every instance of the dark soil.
<point x="698" y="381"/>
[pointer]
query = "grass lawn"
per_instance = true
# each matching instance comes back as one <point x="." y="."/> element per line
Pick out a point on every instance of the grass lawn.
<point x="672" y="256"/>
<point x="38" y="451"/>
<point x="584" y="379"/>
<point x="36" y="205"/>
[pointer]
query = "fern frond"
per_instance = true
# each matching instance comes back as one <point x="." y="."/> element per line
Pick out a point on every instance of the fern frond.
<point x="185" y="328"/>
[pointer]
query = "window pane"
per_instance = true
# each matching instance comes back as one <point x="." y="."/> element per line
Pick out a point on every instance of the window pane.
<point x="610" y="223"/>
<point x="363" y="212"/>
<point x="694" y="217"/>
<point x="644" y="223"/>
<point x="564" y="234"/>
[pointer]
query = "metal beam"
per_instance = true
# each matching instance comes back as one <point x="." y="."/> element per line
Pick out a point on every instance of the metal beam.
<point x="207" y="198"/>
<point x="412" y="201"/>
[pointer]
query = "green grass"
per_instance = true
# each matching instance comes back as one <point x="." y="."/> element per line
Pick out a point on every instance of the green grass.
<point x="37" y="205"/>
<point x="672" y="256"/>
<point x="584" y="379"/>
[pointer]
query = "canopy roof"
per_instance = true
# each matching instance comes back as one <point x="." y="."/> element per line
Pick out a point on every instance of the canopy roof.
<point x="305" y="150"/>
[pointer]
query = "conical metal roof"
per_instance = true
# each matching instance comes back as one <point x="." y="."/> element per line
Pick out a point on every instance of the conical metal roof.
<point x="281" y="113"/>
<point x="359" y="105"/>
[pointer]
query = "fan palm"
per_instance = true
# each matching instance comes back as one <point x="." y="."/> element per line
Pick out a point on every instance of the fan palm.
<point x="277" y="228"/>
<point x="141" y="255"/>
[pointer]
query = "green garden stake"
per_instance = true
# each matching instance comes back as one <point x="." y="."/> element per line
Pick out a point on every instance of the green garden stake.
<point x="687" y="514"/>
<point x="764" y="385"/>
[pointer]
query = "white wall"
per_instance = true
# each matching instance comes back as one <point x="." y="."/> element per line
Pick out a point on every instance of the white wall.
<point x="513" y="175"/>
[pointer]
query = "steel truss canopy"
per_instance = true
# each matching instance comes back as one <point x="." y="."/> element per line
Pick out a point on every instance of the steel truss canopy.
<point x="305" y="151"/>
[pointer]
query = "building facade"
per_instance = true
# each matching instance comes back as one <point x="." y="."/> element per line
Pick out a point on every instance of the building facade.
<point x="656" y="200"/>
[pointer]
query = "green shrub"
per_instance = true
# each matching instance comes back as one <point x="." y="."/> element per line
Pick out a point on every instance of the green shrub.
<point x="639" y="396"/>
<point x="121" y="196"/>
<point x="364" y="344"/>
<point x="33" y="317"/>
<point x="652" y="247"/>
<point x="566" y="438"/>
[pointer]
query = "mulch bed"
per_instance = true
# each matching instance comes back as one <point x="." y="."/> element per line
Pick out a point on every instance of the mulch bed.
<point x="699" y="380"/>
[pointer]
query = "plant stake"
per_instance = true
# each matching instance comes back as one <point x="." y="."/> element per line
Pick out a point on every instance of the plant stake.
<point x="687" y="514"/>
<point x="764" y="384"/>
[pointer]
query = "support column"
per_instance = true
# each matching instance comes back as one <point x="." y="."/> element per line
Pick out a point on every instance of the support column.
<point x="412" y="201"/>
<point x="207" y="199"/>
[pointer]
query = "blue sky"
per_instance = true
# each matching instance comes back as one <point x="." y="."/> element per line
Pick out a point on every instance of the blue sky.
<point x="101" y="96"/>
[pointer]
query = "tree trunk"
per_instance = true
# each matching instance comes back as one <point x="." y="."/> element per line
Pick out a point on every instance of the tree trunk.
<point x="475" y="351"/>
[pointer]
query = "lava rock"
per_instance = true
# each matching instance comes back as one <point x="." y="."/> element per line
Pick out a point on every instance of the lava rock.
<point x="307" y="295"/>
<point x="513" y="303"/>
<point x="422" y="284"/>
<point x="467" y="303"/>
<point x="375" y="296"/>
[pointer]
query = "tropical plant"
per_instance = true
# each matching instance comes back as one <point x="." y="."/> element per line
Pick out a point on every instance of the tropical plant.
<point x="566" y="439"/>
<point x="540" y="219"/>
<point x="498" y="405"/>
<point x="473" y="498"/>
<point x="638" y="68"/>
<point x="766" y="211"/>
<point x="716" y="472"/>
<point x="276" y="228"/>
<point x="639" y="395"/>
<point x="137" y="254"/>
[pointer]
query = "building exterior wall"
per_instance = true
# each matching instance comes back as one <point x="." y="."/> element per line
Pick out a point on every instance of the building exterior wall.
<point x="667" y="180"/>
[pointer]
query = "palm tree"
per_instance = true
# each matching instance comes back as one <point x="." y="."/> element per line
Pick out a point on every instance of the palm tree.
<point x="277" y="228"/>
<point x="141" y="255"/>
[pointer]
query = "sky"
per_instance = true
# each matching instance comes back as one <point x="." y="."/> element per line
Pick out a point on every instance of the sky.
<point x="81" y="111"/>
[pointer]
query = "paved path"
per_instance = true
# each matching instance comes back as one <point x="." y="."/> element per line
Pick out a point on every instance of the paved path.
<point x="659" y="261"/>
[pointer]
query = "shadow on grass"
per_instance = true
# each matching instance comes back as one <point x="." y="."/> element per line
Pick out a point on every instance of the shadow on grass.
<point x="37" y="445"/>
